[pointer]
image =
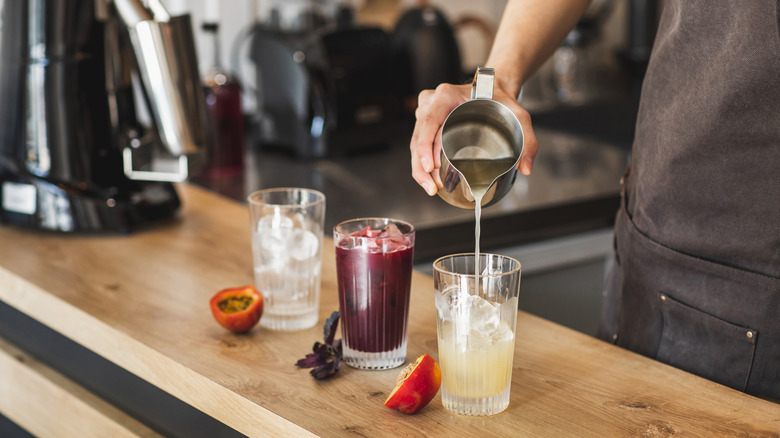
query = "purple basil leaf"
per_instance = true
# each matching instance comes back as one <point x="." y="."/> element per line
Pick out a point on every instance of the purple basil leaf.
<point x="319" y="356"/>
<point x="325" y="358"/>
<point x="321" y="349"/>
<point x="329" y="330"/>
<point x="337" y="363"/>
<point x="336" y="348"/>
<point x="311" y="361"/>
<point x="326" y="370"/>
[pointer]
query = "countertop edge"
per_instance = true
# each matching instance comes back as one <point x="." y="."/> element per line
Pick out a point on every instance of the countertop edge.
<point x="142" y="361"/>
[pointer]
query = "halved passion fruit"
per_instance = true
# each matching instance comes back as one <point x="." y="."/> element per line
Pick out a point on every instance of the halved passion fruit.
<point x="237" y="309"/>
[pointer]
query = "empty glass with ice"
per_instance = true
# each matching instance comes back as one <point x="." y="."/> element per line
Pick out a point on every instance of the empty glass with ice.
<point x="286" y="226"/>
<point x="475" y="319"/>
<point x="374" y="272"/>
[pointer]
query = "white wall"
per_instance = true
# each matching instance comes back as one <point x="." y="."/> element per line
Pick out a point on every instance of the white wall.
<point x="236" y="15"/>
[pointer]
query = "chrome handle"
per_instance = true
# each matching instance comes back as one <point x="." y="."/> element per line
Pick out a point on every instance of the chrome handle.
<point x="482" y="86"/>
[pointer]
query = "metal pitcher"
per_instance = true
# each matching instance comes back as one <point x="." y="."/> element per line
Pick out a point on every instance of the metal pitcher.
<point x="484" y="130"/>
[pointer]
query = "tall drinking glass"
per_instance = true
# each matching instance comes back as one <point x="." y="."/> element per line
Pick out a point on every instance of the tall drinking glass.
<point x="374" y="271"/>
<point x="475" y="320"/>
<point x="287" y="228"/>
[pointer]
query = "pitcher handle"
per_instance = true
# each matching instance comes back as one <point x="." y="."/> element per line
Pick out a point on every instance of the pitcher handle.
<point x="482" y="86"/>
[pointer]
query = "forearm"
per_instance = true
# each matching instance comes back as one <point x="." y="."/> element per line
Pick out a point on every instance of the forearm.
<point x="529" y="32"/>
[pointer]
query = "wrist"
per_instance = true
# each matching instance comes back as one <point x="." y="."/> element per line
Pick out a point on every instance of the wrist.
<point x="508" y="76"/>
<point x="508" y="84"/>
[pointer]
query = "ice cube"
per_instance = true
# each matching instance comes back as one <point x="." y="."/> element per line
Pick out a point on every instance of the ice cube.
<point x="303" y="244"/>
<point x="363" y="232"/>
<point x="391" y="239"/>
<point x="299" y="220"/>
<point x="275" y="222"/>
<point x="271" y="252"/>
<point x="445" y="302"/>
<point x="274" y="230"/>
<point x="273" y="234"/>
<point x="503" y="334"/>
<point x="484" y="315"/>
<point x="391" y="231"/>
<point x="355" y="238"/>
<point x="491" y="281"/>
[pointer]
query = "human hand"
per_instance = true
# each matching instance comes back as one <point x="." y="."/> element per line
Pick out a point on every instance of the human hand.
<point x="433" y="107"/>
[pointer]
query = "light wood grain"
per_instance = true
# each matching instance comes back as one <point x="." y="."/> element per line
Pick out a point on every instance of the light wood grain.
<point x="47" y="404"/>
<point x="141" y="301"/>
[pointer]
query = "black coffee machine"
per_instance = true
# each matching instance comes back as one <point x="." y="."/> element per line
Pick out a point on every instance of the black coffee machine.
<point x="100" y="108"/>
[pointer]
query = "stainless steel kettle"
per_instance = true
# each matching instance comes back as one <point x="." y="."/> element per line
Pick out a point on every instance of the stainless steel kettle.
<point x="100" y="108"/>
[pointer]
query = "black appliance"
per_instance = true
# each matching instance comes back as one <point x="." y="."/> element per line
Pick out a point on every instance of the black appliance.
<point x="100" y="106"/>
<point x="425" y="44"/>
<point x="326" y="89"/>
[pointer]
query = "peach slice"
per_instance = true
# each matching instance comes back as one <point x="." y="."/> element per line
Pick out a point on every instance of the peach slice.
<point x="416" y="386"/>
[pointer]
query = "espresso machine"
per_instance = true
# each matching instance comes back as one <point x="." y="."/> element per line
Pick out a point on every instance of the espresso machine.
<point x="101" y="110"/>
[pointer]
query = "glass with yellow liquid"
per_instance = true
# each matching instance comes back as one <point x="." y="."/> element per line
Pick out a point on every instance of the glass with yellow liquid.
<point x="475" y="318"/>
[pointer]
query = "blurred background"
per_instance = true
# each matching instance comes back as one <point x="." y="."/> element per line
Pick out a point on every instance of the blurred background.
<point x="329" y="90"/>
<point x="435" y="40"/>
<point x="321" y="94"/>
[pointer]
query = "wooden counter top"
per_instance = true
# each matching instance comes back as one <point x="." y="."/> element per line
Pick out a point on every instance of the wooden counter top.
<point x="141" y="302"/>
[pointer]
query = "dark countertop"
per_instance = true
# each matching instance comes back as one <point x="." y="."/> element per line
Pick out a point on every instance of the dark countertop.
<point x="574" y="187"/>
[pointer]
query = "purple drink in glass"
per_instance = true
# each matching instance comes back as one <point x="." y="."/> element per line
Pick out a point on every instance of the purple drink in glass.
<point x="374" y="272"/>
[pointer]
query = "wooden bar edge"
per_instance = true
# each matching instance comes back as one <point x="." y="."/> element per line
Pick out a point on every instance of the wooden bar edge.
<point x="190" y="387"/>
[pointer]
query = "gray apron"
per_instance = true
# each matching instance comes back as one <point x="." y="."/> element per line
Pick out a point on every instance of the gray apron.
<point x="696" y="280"/>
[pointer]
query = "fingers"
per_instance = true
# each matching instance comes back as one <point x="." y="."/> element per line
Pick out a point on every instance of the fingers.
<point x="422" y="135"/>
<point x="425" y="146"/>
<point x="437" y="145"/>
<point x="422" y="177"/>
<point x="422" y="154"/>
<point x="530" y="144"/>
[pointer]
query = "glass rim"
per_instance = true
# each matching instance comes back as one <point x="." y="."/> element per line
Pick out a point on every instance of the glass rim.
<point x="471" y="254"/>
<point x="376" y="219"/>
<point x="252" y="197"/>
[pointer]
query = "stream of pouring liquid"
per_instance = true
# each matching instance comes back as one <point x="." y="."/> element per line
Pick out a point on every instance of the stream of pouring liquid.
<point x="479" y="193"/>
<point x="480" y="173"/>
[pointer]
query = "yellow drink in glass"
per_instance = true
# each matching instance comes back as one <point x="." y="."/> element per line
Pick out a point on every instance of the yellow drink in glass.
<point x="479" y="367"/>
<point x="475" y="321"/>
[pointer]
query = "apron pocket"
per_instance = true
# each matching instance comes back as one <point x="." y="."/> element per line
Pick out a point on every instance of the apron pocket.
<point x="705" y="345"/>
